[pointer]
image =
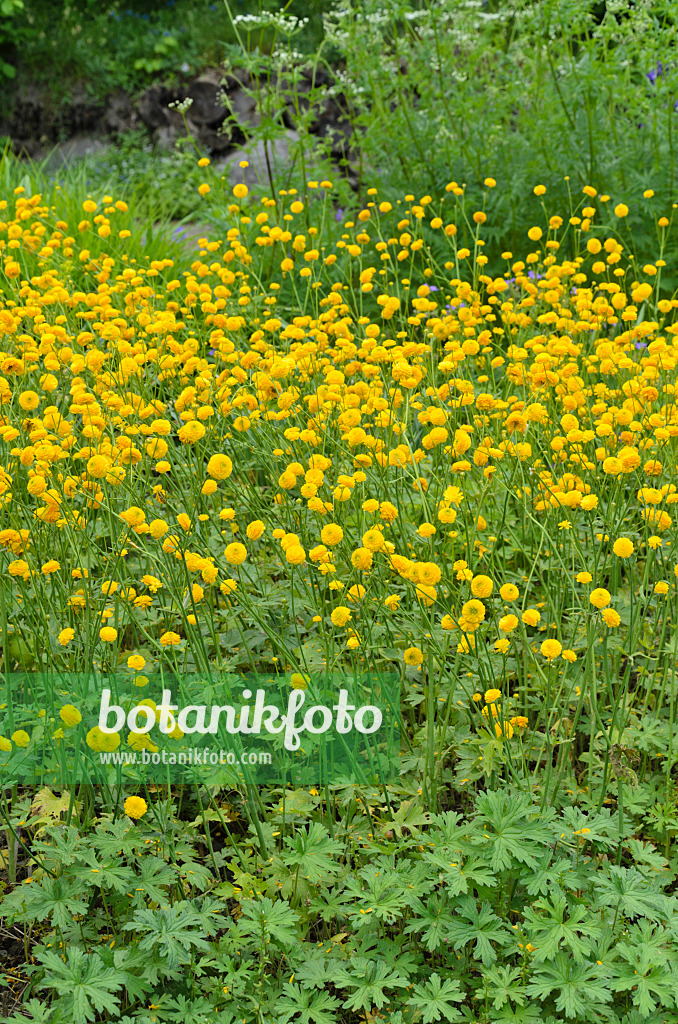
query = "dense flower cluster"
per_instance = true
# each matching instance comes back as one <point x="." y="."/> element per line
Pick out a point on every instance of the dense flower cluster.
<point x="427" y="466"/>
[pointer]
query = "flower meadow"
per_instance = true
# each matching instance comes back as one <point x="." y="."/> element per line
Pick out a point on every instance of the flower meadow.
<point x="322" y="441"/>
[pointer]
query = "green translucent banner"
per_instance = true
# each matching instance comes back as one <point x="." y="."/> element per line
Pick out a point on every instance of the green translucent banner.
<point x="219" y="729"/>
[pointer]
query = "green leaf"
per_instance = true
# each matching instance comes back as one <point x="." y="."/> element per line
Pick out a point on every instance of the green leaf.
<point x="370" y="981"/>
<point x="578" y="989"/>
<point x="558" y="926"/>
<point x="305" y="1006"/>
<point x="482" y="925"/>
<point x="312" y="853"/>
<point x="84" y="985"/>
<point x="434" y="999"/>
<point x="514" y="828"/>
<point x="268" y="921"/>
<point x="628" y="891"/>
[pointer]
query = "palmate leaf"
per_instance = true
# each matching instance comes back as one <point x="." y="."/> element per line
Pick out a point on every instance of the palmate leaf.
<point x="377" y="892"/>
<point x="516" y="833"/>
<point x="370" y="981"/>
<point x="107" y="874"/>
<point x="305" y="1006"/>
<point x="630" y="892"/>
<point x="312" y="852"/>
<point x="170" y="931"/>
<point x="395" y="954"/>
<point x="117" y="838"/>
<point x="521" y="1015"/>
<point x="503" y="984"/>
<point x="434" y="999"/>
<point x="558" y="926"/>
<point x="656" y="987"/>
<point x="53" y="898"/>
<point x="317" y="972"/>
<point x="578" y="989"/>
<point x="40" y="1013"/>
<point x="182" y="1010"/>
<point x="154" y="873"/>
<point x="647" y="967"/>
<point x="601" y="827"/>
<point x="84" y="985"/>
<point x="267" y="920"/>
<point x="482" y="925"/>
<point x="431" y="920"/>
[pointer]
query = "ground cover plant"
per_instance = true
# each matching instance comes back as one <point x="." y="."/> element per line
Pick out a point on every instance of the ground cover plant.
<point x="312" y="442"/>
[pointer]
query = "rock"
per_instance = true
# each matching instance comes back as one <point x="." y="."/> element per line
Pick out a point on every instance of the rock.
<point x="167" y="135"/>
<point x="152" y="105"/>
<point x="207" y="95"/>
<point x="244" y="110"/>
<point x="119" y="115"/>
<point x="75" y="148"/>
<point x="280" y="157"/>
<point x="216" y="140"/>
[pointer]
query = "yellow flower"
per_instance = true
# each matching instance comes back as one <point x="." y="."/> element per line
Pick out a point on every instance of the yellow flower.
<point x="21" y="738"/>
<point x="600" y="597"/>
<point x="413" y="656"/>
<point x="65" y="636"/>
<point x="70" y="715"/>
<point x="373" y="540"/>
<point x="508" y="623"/>
<point x="473" y="610"/>
<point x="29" y="400"/>
<point x="5" y="744"/>
<point x="136" y="662"/>
<point x="299" y="681"/>
<point x="235" y="553"/>
<point x="492" y="695"/>
<point x="387" y="511"/>
<point x="550" y="649"/>
<point x="503" y="729"/>
<point x="361" y="559"/>
<point x="133" y="516"/>
<point x="331" y="534"/>
<point x="340" y="616"/>
<point x="135" y="807"/>
<point x="509" y="592"/>
<point x="295" y="554"/>
<point x="661" y="587"/>
<point x="531" y="617"/>
<point x="425" y="594"/>
<point x="158" y="528"/>
<point x="108" y="634"/>
<point x="98" y="466"/>
<point x="623" y="548"/>
<point x="255" y="529"/>
<point x="101" y="741"/>
<point x="220" y="467"/>
<point x="170" y="639"/>
<point x="192" y="432"/>
<point x="583" y="577"/>
<point x="481" y="586"/>
<point x="610" y="617"/>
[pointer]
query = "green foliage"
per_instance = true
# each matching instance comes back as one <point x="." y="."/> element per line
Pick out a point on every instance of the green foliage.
<point x="393" y="936"/>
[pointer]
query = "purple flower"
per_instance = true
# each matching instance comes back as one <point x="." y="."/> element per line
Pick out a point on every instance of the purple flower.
<point x="653" y="75"/>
